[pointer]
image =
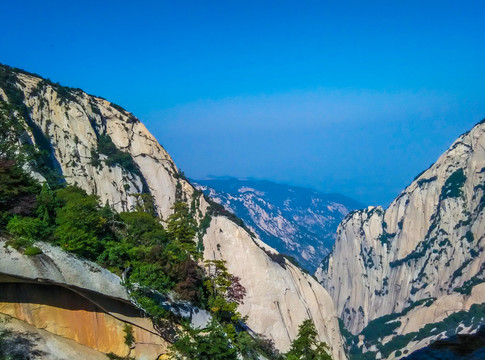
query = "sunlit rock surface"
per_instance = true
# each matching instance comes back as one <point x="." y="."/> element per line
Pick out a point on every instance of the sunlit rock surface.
<point x="72" y="125"/>
<point x="429" y="243"/>
<point x="295" y="221"/>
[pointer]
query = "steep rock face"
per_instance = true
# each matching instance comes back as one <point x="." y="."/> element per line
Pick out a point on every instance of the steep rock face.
<point x="65" y="313"/>
<point x="72" y="123"/>
<point x="75" y="127"/>
<point x="28" y="341"/>
<point x="279" y="296"/>
<point x="295" y="221"/>
<point x="55" y="266"/>
<point x="428" y="244"/>
<point x="74" y="299"/>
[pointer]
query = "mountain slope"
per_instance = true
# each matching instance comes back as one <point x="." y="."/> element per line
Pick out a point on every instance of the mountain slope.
<point x="106" y="150"/>
<point x="295" y="221"/>
<point x="429" y="244"/>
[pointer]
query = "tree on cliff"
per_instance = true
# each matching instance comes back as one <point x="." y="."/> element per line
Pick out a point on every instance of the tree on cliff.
<point x="306" y="346"/>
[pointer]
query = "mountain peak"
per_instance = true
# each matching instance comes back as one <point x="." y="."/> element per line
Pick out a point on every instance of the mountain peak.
<point x="296" y="221"/>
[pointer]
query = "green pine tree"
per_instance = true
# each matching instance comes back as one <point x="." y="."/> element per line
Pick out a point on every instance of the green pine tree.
<point x="306" y="345"/>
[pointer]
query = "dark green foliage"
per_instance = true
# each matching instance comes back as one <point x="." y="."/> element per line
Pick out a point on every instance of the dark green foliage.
<point x="81" y="228"/>
<point x="145" y="203"/>
<point x="211" y="343"/>
<point x="64" y="94"/>
<point x="421" y="182"/>
<point x="459" y="272"/>
<point x="372" y="330"/>
<point x="454" y="185"/>
<point x="131" y="119"/>
<point x="469" y="236"/>
<point x="203" y="226"/>
<point x="32" y="251"/>
<point x="182" y="228"/>
<point x="306" y="346"/>
<point x="397" y="342"/>
<point x="473" y="317"/>
<point x="422" y="172"/>
<point x="216" y="209"/>
<point x="445" y="242"/>
<point x="27" y="229"/>
<point x="379" y="328"/>
<point x="385" y="237"/>
<point x="277" y="258"/>
<point x="129" y="337"/>
<point x="252" y="347"/>
<point x="367" y="256"/>
<point x="8" y="82"/>
<point x="17" y="191"/>
<point x="115" y="156"/>
<point x="349" y="338"/>
<point x="292" y="260"/>
<point x="113" y="356"/>
<point x="95" y="161"/>
<point x="11" y="129"/>
<point x="467" y="286"/>
<point x="417" y="253"/>
<point x="12" y="118"/>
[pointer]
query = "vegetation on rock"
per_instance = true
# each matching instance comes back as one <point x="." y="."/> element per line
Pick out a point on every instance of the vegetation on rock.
<point x="155" y="260"/>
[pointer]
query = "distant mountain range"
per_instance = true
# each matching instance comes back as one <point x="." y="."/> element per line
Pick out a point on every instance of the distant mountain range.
<point x="295" y="221"/>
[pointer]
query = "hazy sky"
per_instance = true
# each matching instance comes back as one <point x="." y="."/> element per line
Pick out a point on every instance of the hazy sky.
<point x="355" y="97"/>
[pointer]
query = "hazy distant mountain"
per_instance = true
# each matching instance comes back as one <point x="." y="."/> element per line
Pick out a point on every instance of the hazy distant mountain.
<point x="295" y="221"/>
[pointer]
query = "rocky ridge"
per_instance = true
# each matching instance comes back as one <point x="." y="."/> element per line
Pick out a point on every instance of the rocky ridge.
<point x="295" y="221"/>
<point x="421" y="259"/>
<point x="72" y="299"/>
<point x="75" y="128"/>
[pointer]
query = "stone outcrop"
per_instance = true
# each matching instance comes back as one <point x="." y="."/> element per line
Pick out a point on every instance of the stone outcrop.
<point x="279" y="295"/>
<point x="74" y="125"/>
<point x="74" y="299"/>
<point x="28" y="341"/>
<point x="58" y="267"/>
<point x="428" y="244"/>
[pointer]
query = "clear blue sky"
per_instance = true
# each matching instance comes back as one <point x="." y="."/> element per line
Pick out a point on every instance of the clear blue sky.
<point x="354" y="97"/>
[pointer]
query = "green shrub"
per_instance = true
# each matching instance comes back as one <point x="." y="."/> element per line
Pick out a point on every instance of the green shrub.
<point x="114" y="155"/>
<point x="32" y="251"/>
<point x="129" y="337"/>
<point x="306" y="345"/>
<point x="27" y="228"/>
<point x="453" y="187"/>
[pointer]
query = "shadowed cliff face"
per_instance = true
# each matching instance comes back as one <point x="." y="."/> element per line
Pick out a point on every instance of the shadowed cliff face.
<point x="75" y="127"/>
<point x="429" y="244"/>
<point x="459" y="347"/>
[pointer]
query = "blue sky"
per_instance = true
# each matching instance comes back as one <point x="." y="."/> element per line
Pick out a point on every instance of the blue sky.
<point x="351" y="96"/>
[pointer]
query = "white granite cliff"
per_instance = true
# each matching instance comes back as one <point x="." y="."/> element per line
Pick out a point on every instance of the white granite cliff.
<point x="278" y="298"/>
<point x="429" y="243"/>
